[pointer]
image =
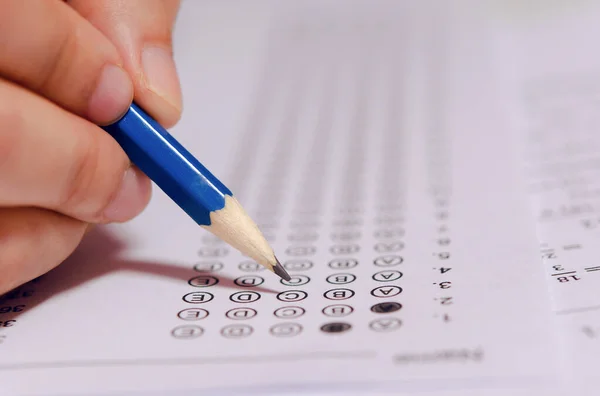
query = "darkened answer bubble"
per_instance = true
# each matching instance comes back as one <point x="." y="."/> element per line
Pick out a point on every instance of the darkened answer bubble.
<point x="386" y="307"/>
<point x="336" y="327"/>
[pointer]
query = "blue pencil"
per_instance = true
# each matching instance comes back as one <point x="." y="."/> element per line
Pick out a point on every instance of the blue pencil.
<point x="187" y="182"/>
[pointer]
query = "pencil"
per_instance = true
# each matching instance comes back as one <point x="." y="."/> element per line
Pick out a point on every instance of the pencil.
<point x="191" y="186"/>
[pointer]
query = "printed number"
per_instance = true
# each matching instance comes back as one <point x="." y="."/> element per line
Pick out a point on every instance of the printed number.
<point x="443" y="241"/>
<point x="588" y="224"/>
<point x="445" y="285"/>
<point x="18" y="294"/>
<point x="441" y="202"/>
<point x="8" y="308"/>
<point x="446" y="300"/>
<point x="7" y="323"/>
<point x="444" y="255"/>
<point x="558" y="268"/>
<point x="563" y="279"/>
<point x="588" y="331"/>
<point x="441" y="215"/>
<point x="444" y="270"/>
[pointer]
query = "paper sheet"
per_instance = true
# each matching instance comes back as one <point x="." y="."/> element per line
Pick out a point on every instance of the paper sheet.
<point x="557" y="93"/>
<point x="384" y="175"/>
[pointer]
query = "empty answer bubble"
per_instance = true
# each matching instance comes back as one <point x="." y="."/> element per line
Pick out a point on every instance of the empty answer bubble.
<point x="297" y="265"/>
<point x="187" y="332"/>
<point x="388" y="261"/>
<point x="385" y="324"/>
<point x="338" y="310"/>
<point x="289" y="312"/>
<point x="296" y="280"/>
<point x="386" y="291"/>
<point x="244" y="297"/>
<point x="343" y="263"/>
<point x="208" y="266"/>
<point x="340" y="279"/>
<point x="249" y="281"/>
<point x="286" y="329"/>
<point x="198" y="297"/>
<point x="203" y="281"/>
<point x="292" y="295"/>
<point x="338" y="294"/>
<point x="387" y="276"/>
<point x="241" y="313"/>
<point x="193" y="314"/>
<point x="237" y="331"/>
<point x="250" y="266"/>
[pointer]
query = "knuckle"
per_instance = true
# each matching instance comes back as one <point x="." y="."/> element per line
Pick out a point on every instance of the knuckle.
<point x="16" y="254"/>
<point x="79" y="182"/>
<point x="54" y="67"/>
<point x="63" y="64"/>
<point x="92" y="182"/>
<point x="11" y="124"/>
<point x="33" y="241"/>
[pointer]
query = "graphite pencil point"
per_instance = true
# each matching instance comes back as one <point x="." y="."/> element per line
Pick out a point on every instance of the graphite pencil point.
<point x="279" y="270"/>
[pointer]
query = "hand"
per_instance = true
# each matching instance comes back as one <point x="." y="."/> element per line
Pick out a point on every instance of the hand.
<point x="66" y="67"/>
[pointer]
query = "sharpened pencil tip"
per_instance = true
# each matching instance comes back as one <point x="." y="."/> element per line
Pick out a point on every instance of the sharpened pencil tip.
<point x="279" y="270"/>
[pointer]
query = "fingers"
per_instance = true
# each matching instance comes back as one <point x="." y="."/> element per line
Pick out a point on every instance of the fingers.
<point x="52" y="159"/>
<point x="141" y="30"/>
<point x="32" y="242"/>
<point x="49" y="48"/>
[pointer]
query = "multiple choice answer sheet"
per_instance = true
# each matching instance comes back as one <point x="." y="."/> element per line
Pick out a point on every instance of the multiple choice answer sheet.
<point x="376" y="158"/>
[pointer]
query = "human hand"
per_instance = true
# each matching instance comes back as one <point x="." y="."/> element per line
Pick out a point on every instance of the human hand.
<point x="66" y="67"/>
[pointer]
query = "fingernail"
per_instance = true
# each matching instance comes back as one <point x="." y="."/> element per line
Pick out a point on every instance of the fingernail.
<point x="161" y="75"/>
<point x="132" y="198"/>
<point x="112" y="96"/>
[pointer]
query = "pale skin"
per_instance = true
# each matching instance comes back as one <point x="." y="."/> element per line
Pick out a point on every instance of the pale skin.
<point x="65" y="68"/>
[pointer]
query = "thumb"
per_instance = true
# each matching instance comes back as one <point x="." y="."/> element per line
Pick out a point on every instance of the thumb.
<point x="142" y="31"/>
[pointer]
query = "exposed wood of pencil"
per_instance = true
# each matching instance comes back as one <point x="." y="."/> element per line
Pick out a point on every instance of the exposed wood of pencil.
<point x="233" y="225"/>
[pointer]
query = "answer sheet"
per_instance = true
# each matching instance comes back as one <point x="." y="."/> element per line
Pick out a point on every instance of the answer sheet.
<point x="376" y="158"/>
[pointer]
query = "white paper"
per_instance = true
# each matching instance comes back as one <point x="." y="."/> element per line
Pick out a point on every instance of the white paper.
<point x="557" y="98"/>
<point x="361" y="157"/>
